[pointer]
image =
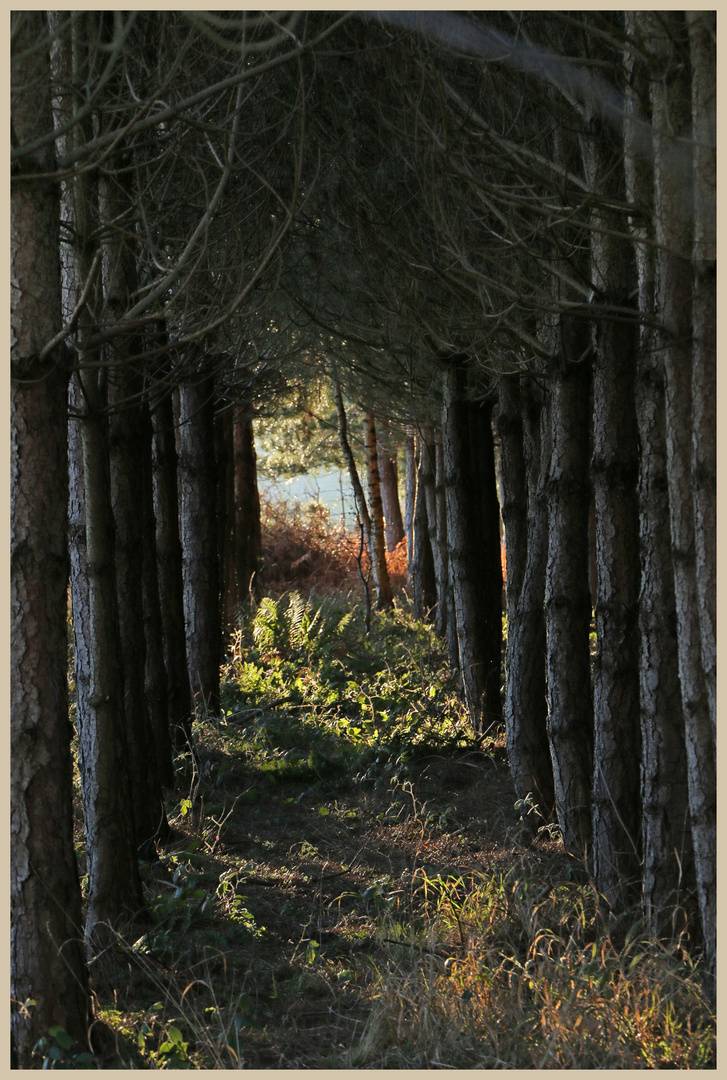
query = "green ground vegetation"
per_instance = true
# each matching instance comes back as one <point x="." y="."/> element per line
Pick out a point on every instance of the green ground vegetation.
<point x="348" y="885"/>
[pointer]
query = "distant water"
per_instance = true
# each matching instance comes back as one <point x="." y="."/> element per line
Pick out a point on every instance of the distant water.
<point x="331" y="489"/>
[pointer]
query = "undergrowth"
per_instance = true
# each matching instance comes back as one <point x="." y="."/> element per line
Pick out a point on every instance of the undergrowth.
<point x="348" y="885"/>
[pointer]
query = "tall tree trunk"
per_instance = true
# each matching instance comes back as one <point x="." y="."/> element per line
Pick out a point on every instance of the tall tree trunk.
<point x="410" y="452"/>
<point x="393" y="523"/>
<point x="526" y="443"/>
<point x="377" y="551"/>
<point x="673" y="233"/>
<point x="514" y="500"/>
<point x="198" y="519"/>
<point x="424" y="582"/>
<point x="446" y="624"/>
<point x="614" y="473"/>
<point x="668" y="878"/>
<point x="436" y="526"/>
<point x="114" y="890"/>
<point x="125" y="389"/>
<point x="702" y="41"/>
<point x="363" y="510"/>
<point x="469" y="471"/>
<point x="247" y="503"/>
<point x="169" y="568"/>
<point x="225" y="501"/>
<point x="46" y="955"/>
<point x="567" y="599"/>
<point x="155" y="676"/>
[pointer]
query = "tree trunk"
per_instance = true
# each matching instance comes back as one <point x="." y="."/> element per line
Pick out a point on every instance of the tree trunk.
<point x="702" y="41"/>
<point x="126" y="492"/>
<point x="436" y="526"/>
<point x="673" y="233"/>
<point x="247" y="503"/>
<point x="424" y="582"/>
<point x="225" y="502"/>
<point x="469" y="472"/>
<point x="155" y="676"/>
<point x="198" y="519"/>
<point x="46" y="955"/>
<point x="114" y="890"/>
<point x="446" y="624"/>
<point x="410" y="451"/>
<point x="377" y="551"/>
<point x="567" y="599"/>
<point x="393" y="523"/>
<point x="668" y="864"/>
<point x="526" y="466"/>
<point x="358" y="492"/>
<point x="614" y="472"/>
<point x="514" y="500"/>
<point x="169" y="568"/>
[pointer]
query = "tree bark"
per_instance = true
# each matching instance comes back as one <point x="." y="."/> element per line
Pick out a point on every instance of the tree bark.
<point x="247" y="503"/>
<point x="382" y="584"/>
<point x="363" y="510"/>
<point x="410" y="451"/>
<point x="424" y="582"/>
<point x="155" y="676"/>
<point x="476" y="576"/>
<point x="436" y="525"/>
<point x="668" y="879"/>
<point x="702" y="41"/>
<point x="225" y="502"/>
<point x="446" y="624"/>
<point x="46" y="952"/>
<point x="614" y="473"/>
<point x="169" y="569"/>
<point x="526" y="444"/>
<point x="114" y="891"/>
<point x="126" y="436"/>
<point x="670" y="96"/>
<point x="198" y="519"/>
<point x="393" y="523"/>
<point x="567" y="599"/>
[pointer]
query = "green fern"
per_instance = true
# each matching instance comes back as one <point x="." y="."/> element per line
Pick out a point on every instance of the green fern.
<point x="292" y="625"/>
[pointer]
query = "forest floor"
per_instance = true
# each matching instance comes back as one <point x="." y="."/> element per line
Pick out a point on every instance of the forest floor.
<point x="348" y="884"/>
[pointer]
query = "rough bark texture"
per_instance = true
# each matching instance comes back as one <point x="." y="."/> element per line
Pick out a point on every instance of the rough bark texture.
<point x="436" y="526"/>
<point x="363" y="510"/>
<point x="377" y="550"/>
<point x="410" y="452"/>
<point x="446" y="621"/>
<point x="155" y="676"/>
<point x="126" y="478"/>
<point x="114" y="890"/>
<point x="514" y="498"/>
<point x="247" y="504"/>
<point x="614" y="472"/>
<point x="527" y="465"/>
<point x="673" y="233"/>
<point x="169" y="568"/>
<point x="668" y="881"/>
<point x="225" y="523"/>
<point x="198" y="519"/>
<point x="702" y="40"/>
<point x="46" y="951"/>
<point x="109" y="812"/>
<point x="567" y="599"/>
<point x="469" y="472"/>
<point x="424" y="582"/>
<point x="388" y="472"/>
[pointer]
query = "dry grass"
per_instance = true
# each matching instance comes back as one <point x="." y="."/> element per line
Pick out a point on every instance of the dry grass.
<point x="302" y="549"/>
